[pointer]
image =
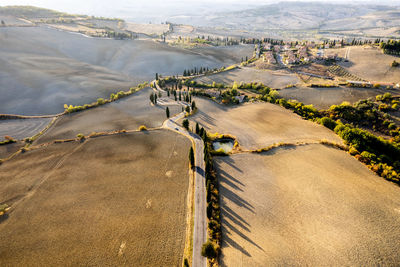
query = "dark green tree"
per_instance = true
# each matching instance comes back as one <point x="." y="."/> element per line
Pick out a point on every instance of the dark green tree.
<point x="156" y="76"/>
<point x="193" y="105"/>
<point x="191" y="157"/>
<point x="185" y="124"/>
<point x="187" y="109"/>
<point x="197" y="128"/>
<point x="167" y="112"/>
<point x="152" y="98"/>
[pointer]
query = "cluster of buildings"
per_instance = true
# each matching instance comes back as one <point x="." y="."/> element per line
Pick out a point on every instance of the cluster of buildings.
<point x="269" y="57"/>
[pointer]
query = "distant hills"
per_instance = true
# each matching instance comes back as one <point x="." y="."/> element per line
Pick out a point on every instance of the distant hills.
<point x="304" y="16"/>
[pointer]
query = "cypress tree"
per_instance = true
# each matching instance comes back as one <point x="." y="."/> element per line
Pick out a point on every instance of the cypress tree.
<point x="191" y="157"/>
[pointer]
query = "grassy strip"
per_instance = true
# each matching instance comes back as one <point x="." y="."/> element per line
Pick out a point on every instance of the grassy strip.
<point x="30" y="140"/>
<point x="8" y="141"/>
<point x="101" y="101"/>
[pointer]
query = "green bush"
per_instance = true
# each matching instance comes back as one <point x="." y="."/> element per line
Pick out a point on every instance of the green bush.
<point x="209" y="250"/>
<point x="328" y="123"/>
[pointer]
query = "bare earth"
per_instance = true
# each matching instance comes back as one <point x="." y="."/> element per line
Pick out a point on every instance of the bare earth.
<point x="21" y="128"/>
<point x="274" y="79"/>
<point x="306" y="206"/>
<point x="259" y="125"/>
<point x="149" y="29"/>
<point x="360" y="59"/>
<point x="127" y="113"/>
<point x="115" y="200"/>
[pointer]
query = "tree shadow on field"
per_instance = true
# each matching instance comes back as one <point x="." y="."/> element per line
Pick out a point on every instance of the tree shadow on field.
<point x="231" y="162"/>
<point x="205" y="117"/>
<point x="4" y="217"/>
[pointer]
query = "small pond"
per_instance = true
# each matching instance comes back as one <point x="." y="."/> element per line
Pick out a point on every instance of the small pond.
<point x="225" y="144"/>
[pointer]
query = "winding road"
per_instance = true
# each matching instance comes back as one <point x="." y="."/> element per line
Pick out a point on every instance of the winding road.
<point x="200" y="215"/>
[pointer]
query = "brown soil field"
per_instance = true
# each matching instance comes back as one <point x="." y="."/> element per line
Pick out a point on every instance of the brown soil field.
<point x="323" y="98"/>
<point x="115" y="200"/>
<point x="21" y="128"/>
<point x="9" y="149"/>
<point x="127" y="113"/>
<point x="274" y="79"/>
<point x="258" y="125"/>
<point x="309" y="205"/>
<point x="360" y="59"/>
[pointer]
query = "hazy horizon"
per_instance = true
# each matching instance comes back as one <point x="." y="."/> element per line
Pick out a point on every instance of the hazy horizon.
<point x="156" y="11"/>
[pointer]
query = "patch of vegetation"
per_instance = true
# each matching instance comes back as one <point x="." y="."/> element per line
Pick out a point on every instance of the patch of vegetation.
<point x="8" y="140"/>
<point x="142" y="128"/>
<point x="391" y="47"/>
<point x="4" y="208"/>
<point x="101" y="101"/>
<point x="211" y="249"/>
<point x="185" y="124"/>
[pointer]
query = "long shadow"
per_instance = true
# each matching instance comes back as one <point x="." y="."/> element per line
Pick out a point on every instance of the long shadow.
<point x="226" y="209"/>
<point x="200" y="171"/>
<point x="229" y="242"/>
<point x="235" y="219"/>
<point x="205" y="117"/>
<point x="239" y="233"/>
<point x="231" y="162"/>
<point x="228" y="176"/>
<point x="4" y="217"/>
<point x="229" y="194"/>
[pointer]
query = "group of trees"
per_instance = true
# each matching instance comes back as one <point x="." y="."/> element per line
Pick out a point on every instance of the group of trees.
<point x="211" y="248"/>
<point x="118" y="35"/>
<point x="391" y="47"/>
<point x="196" y="71"/>
<point x="153" y="97"/>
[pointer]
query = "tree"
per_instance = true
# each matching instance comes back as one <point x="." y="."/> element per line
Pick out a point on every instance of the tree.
<point x="193" y="105"/>
<point x="168" y="93"/>
<point x="180" y="96"/>
<point x="187" y="109"/>
<point x="197" y="128"/>
<point x="152" y="98"/>
<point x="159" y="94"/>
<point x="395" y="63"/>
<point x="156" y="76"/>
<point x="3" y="23"/>
<point x="191" y="157"/>
<point x="185" y="124"/>
<point x="209" y="250"/>
<point x="155" y="99"/>
<point x="167" y="112"/>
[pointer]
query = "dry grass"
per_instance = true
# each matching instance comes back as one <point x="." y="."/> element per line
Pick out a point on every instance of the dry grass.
<point x="360" y="59"/>
<point x="308" y="205"/>
<point x="114" y="200"/>
<point x="274" y="79"/>
<point x="128" y="113"/>
<point x="259" y="125"/>
<point x="149" y="29"/>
